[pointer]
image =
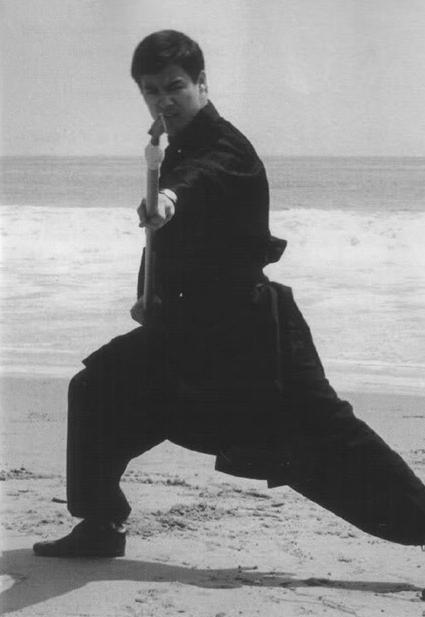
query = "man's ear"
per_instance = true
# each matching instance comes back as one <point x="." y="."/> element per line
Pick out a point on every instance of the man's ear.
<point x="202" y="82"/>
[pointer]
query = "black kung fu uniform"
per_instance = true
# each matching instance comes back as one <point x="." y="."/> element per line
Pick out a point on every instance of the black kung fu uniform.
<point x="227" y="365"/>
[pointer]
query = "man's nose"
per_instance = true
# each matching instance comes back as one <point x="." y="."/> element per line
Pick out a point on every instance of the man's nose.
<point x="164" y="101"/>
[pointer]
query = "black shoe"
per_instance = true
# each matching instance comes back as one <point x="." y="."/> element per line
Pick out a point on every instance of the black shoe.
<point x="87" y="539"/>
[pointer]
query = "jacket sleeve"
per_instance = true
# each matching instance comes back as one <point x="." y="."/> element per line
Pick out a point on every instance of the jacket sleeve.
<point x="216" y="181"/>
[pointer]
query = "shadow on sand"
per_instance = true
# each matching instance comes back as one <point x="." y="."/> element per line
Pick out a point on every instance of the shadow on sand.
<point x="54" y="577"/>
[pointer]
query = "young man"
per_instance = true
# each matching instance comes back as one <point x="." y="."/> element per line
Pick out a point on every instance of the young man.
<point x="226" y="363"/>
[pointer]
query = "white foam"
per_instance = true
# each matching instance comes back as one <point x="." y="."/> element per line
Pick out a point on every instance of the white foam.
<point x="69" y="279"/>
<point x="353" y="239"/>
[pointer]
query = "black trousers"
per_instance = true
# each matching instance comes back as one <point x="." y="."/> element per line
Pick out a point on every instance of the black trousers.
<point x="120" y="408"/>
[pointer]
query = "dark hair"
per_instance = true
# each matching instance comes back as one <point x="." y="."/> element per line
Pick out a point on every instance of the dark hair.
<point x="166" y="47"/>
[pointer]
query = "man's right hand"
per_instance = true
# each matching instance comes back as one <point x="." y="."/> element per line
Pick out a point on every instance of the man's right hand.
<point x="164" y="212"/>
<point x="137" y="311"/>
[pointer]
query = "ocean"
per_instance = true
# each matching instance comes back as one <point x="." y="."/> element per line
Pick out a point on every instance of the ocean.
<point x="355" y="259"/>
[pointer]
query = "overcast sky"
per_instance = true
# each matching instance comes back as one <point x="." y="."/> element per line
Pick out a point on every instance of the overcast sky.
<point x="299" y="77"/>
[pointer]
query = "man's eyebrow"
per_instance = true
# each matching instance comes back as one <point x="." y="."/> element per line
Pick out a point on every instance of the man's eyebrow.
<point x="147" y="85"/>
<point x="175" y="81"/>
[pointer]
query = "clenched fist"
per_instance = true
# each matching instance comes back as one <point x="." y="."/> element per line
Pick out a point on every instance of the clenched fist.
<point x="164" y="211"/>
<point x="137" y="311"/>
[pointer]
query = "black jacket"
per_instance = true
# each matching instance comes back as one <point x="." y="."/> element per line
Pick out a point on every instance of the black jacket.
<point x="219" y="237"/>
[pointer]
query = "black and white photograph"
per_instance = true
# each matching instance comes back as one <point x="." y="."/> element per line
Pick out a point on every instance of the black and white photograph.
<point x="212" y="359"/>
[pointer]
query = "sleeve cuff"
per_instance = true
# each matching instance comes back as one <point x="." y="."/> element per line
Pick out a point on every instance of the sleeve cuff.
<point x="170" y="194"/>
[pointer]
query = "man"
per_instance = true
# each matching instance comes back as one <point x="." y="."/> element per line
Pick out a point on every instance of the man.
<point x="225" y="363"/>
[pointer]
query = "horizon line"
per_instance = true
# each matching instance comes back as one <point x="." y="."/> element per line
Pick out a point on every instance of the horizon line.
<point x="261" y="154"/>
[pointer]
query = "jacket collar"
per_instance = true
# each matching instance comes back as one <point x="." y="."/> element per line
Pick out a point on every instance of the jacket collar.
<point x="195" y="132"/>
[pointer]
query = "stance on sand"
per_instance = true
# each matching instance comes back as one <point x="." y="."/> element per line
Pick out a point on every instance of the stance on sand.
<point x="225" y="363"/>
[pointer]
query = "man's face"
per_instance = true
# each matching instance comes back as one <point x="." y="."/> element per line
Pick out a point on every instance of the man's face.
<point x="172" y="92"/>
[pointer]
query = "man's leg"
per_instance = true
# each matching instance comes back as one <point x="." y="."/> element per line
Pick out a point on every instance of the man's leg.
<point x="337" y="460"/>
<point x="117" y="407"/>
<point x="344" y="466"/>
<point x="103" y="436"/>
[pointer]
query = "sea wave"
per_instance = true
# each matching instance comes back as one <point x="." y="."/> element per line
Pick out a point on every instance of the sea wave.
<point x="339" y="236"/>
<point x="68" y="279"/>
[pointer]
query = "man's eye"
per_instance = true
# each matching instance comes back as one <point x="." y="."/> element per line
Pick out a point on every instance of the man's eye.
<point x="149" y="90"/>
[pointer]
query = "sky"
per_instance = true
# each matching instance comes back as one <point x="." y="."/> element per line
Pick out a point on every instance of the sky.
<point x="298" y="77"/>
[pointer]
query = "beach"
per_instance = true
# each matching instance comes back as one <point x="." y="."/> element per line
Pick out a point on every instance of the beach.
<point x="202" y="543"/>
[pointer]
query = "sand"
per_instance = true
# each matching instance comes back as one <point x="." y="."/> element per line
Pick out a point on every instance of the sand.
<point x="201" y="543"/>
